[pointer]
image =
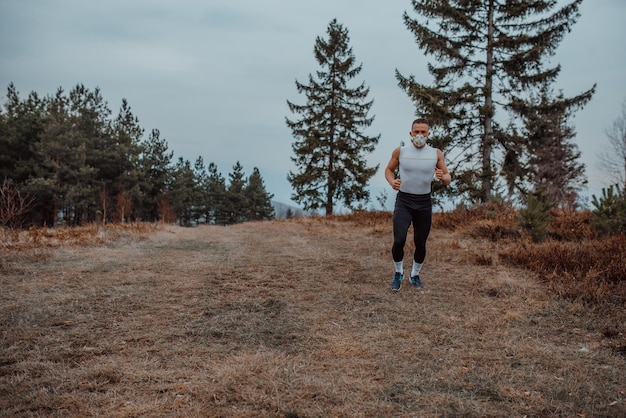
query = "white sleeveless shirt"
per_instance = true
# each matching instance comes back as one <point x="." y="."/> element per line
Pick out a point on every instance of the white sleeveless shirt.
<point x="417" y="168"/>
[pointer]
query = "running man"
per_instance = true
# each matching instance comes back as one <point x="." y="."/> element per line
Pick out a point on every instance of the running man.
<point x="418" y="163"/>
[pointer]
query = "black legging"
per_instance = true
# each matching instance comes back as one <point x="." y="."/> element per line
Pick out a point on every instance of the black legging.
<point x="411" y="208"/>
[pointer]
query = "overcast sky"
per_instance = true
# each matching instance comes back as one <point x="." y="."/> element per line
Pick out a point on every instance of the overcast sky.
<point x="214" y="76"/>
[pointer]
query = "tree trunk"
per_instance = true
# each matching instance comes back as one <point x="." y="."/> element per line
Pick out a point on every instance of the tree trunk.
<point x="486" y="177"/>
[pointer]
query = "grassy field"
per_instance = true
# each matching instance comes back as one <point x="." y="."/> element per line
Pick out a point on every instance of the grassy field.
<point x="294" y="318"/>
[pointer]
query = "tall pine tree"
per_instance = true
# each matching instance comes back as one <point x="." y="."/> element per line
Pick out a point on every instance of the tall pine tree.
<point x="260" y="201"/>
<point x="182" y="193"/>
<point x="553" y="168"/>
<point x="216" y="196"/>
<point x="488" y="53"/>
<point x="202" y="209"/>
<point x="330" y="146"/>
<point x="119" y="163"/>
<point x="155" y="176"/>
<point x="24" y="122"/>
<point x="236" y="202"/>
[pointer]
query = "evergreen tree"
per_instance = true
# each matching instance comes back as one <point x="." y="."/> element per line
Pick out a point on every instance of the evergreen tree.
<point x="154" y="176"/>
<point x="22" y="128"/>
<point x="216" y="195"/>
<point x="46" y="182"/>
<point x="260" y="201"/>
<point x="182" y="192"/>
<point x="535" y="217"/>
<point x="609" y="211"/>
<point x="23" y="124"/>
<point x="487" y="52"/>
<point x="236" y="202"/>
<point x="330" y="147"/>
<point x="553" y="167"/>
<point x="119" y="164"/>
<point x="89" y="117"/>
<point x="202" y="210"/>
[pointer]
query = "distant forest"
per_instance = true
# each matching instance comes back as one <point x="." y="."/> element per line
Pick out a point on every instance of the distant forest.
<point x="64" y="159"/>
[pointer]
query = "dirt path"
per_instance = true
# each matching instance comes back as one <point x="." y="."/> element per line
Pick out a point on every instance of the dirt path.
<point x="293" y="319"/>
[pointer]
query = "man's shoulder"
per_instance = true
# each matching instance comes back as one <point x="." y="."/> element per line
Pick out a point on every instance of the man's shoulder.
<point x="433" y="149"/>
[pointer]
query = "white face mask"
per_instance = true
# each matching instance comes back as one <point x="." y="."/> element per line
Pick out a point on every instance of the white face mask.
<point x="418" y="140"/>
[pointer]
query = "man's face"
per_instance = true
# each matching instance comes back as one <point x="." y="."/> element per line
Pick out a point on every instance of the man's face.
<point x="420" y="129"/>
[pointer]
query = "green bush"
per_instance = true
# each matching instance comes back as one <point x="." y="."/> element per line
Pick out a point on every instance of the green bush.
<point x="535" y="217"/>
<point x="609" y="214"/>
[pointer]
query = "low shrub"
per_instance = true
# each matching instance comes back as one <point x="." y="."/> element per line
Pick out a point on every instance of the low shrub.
<point x="535" y="217"/>
<point x="568" y="225"/>
<point x="492" y="230"/>
<point x="593" y="271"/>
<point x="466" y="215"/>
<point x="609" y="213"/>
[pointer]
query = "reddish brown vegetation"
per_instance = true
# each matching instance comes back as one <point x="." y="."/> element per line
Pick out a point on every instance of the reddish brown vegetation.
<point x="593" y="271"/>
<point x="18" y="240"/>
<point x="573" y="260"/>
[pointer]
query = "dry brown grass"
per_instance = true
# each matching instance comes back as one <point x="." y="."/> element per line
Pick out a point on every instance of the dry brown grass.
<point x="296" y="319"/>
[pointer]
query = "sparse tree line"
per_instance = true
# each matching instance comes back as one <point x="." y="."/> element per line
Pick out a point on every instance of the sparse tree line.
<point x="64" y="159"/>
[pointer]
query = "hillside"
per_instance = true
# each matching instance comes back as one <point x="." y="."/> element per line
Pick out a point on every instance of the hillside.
<point x="282" y="210"/>
<point x="294" y="318"/>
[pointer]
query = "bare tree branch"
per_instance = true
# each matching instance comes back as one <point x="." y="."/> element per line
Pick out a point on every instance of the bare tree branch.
<point x="12" y="205"/>
<point x="613" y="159"/>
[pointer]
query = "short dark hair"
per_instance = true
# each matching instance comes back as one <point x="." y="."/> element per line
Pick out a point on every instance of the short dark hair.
<point x="420" y="120"/>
